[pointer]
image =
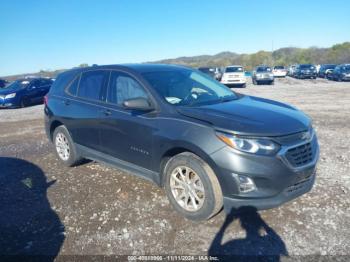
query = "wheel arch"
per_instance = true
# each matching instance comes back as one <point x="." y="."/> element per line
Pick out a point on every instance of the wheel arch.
<point x="53" y="126"/>
<point x="181" y="148"/>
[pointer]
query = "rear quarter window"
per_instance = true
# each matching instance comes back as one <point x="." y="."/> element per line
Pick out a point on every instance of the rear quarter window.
<point x="72" y="89"/>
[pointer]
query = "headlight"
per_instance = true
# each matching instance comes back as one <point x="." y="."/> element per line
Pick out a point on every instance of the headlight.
<point x="10" y="95"/>
<point x="249" y="145"/>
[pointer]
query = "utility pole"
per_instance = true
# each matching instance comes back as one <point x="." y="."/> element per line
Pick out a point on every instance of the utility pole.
<point x="273" y="62"/>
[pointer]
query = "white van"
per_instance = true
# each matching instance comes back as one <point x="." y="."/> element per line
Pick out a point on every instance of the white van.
<point x="234" y="76"/>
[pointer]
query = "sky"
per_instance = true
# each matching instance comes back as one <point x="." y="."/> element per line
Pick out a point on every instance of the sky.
<point x="54" y="34"/>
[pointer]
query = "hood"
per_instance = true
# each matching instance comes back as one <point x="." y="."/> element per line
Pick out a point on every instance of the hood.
<point x="251" y="116"/>
<point x="6" y="91"/>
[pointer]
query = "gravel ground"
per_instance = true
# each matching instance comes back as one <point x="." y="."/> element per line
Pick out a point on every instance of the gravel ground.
<point x="46" y="208"/>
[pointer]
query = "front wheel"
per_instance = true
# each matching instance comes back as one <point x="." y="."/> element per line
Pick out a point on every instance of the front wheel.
<point x="24" y="102"/>
<point x="65" y="148"/>
<point x="192" y="187"/>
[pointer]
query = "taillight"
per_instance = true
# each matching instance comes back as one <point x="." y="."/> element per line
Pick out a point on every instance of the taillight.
<point x="46" y="99"/>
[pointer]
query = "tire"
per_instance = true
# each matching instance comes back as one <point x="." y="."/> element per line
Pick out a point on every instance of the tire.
<point x="210" y="193"/>
<point x="62" y="135"/>
<point x="272" y="83"/>
<point x="24" y="102"/>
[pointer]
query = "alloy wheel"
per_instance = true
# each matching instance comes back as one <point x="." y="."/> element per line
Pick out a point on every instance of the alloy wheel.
<point x="62" y="146"/>
<point x="187" y="188"/>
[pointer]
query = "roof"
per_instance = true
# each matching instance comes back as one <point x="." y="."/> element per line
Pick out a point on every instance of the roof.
<point x="234" y="66"/>
<point x="140" y="68"/>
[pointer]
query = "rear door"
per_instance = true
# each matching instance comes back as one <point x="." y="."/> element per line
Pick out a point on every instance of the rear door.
<point x="87" y="94"/>
<point x="127" y="134"/>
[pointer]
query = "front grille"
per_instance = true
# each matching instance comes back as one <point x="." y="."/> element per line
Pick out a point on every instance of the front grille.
<point x="300" y="155"/>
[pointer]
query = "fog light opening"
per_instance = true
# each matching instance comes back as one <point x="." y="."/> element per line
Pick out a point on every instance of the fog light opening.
<point x="246" y="184"/>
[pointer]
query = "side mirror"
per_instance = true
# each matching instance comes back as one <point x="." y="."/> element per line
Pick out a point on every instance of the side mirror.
<point x="138" y="103"/>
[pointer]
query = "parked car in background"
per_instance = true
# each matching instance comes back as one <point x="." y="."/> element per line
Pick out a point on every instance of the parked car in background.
<point x="263" y="75"/>
<point x="341" y="73"/>
<point x="210" y="71"/>
<point x="3" y="83"/>
<point x="279" y="71"/>
<point x="291" y="70"/>
<point x="24" y="92"/>
<point x="218" y="73"/>
<point x="234" y="76"/>
<point x="207" y="146"/>
<point x="329" y="74"/>
<point x="303" y="71"/>
<point x="325" y="69"/>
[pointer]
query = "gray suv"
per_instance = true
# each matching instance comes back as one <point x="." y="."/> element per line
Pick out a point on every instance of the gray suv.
<point x="206" y="145"/>
<point x="263" y="75"/>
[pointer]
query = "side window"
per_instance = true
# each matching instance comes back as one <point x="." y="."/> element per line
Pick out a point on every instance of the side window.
<point x="73" y="87"/>
<point x="34" y="84"/>
<point x="92" y="85"/>
<point x="44" y="82"/>
<point x="123" y="87"/>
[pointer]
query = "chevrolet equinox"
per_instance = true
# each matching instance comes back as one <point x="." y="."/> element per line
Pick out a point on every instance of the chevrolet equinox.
<point x="206" y="145"/>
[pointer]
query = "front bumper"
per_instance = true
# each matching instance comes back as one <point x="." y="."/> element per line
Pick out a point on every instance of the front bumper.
<point x="234" y="81"/>
<point x="346" y="78"/>
<point x="276" y="178"/>
<point x="279" y="74"/>
<point x="286" y="195"/>
<point x="8" y="103"/>
<point x="308" y="75"/>
<point x="264" y="78"/>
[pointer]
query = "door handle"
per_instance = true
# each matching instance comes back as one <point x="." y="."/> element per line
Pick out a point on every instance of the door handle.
<point x="66" y="102"/>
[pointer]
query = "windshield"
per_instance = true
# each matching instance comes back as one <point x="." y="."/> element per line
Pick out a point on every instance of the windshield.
<point x="188" y="88"/>
<point x="233" y="69"/>
<point x="346" y="68"/>
<point x="263" y="69"/>
<point x="307" y="67"/>
<point x="18" y="84"/>
<point x="329" y="66"/>
<point x="279" y="67"/>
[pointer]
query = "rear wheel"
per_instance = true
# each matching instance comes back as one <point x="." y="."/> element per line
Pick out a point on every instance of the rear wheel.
<point x="192" y="187"/>
<point x="65" y="148"/>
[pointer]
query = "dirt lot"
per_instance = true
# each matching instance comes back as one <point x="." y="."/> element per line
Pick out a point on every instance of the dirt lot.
<point x="46" y="208"/>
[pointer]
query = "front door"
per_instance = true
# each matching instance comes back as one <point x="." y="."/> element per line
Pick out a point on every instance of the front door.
<point x="127" y="134"/>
